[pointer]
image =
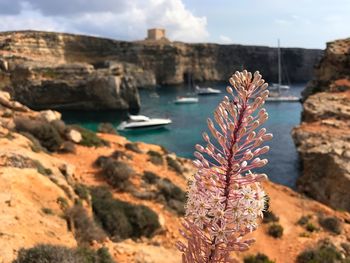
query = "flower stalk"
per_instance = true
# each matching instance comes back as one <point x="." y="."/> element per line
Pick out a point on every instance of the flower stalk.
<point x="225" y="198"/>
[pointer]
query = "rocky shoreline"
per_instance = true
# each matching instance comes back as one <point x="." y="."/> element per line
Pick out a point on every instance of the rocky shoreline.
<point x="323" y="138"/>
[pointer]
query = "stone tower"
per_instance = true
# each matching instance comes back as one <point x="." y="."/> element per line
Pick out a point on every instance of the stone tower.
<point x="156" y="34"/>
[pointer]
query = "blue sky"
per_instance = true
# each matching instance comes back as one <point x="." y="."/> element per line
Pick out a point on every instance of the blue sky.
<point x="297" y="23"/>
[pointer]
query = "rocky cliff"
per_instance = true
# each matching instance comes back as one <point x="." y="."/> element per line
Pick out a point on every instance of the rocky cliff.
<point x="323" y="138"/>
<point x="37" y="62"/>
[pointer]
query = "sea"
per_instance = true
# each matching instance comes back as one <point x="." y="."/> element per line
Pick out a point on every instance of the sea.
<point x="189" y="121"/>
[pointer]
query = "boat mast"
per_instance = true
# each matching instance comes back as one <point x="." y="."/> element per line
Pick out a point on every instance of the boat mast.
<point x="279" y="66"/>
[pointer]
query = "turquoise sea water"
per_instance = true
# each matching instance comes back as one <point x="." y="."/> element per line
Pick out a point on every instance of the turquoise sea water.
<point x="189" y="121"/>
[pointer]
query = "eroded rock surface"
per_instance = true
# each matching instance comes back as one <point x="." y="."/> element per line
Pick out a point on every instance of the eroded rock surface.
<point x="323" y="138"/>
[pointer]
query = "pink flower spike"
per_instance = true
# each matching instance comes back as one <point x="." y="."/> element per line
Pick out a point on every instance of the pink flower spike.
<point x="225" y="198"/>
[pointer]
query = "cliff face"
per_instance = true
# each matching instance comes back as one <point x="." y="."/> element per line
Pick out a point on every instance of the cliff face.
<point x="323" y="138"/>
<point x="169" y="62"/>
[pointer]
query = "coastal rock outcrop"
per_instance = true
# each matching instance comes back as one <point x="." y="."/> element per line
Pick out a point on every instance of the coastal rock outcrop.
<point x="159" y="62"/>
<point x="43" y="85"/>
<point x="323" y="138"/>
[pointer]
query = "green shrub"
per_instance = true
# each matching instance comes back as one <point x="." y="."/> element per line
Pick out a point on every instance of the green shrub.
<point x="46" y="254"/>
<point x="132" y="146"/>
<point x="106" y="128"/>
<point x="35" y="146"/>
<point x="41" y="169"/>
<point x="275" y="230"/>
<point x="174" y="165"/>
<point x="104" y="255"/>
<point x="47" y="211"/>
<point x="311" y="227"/>
<point x="58" y="254"/>
<point x="45" y="132"/>
<point x="155" y="157"/>
<point x="82" y="191"/>
<point x="150" y="177"/>
<point x="258" y="258"/>
<point x="117" y="173"/>
<point x="68" y="147"/>
<point x="173" y="195"/>
<point x="63" y="202"/>
<point x="269" y="217"/>
<point x="85" y="229"/>
<point x="170" y="190"/>
<point x="122" y="220"/>
<point x="266" y="202"/>
<point x="89" y="138"/>
<point x="101" y="161"/>
<point x="324" y="253"/>
<point x="331" y="224"/>
<point x="303" y="220"/>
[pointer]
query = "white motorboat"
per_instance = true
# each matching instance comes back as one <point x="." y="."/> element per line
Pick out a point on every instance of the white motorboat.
<point x="136" y="122"/>
<point x="280" y="98"/>
<point x="207" y="91"/>
<point x="186" y="100"/>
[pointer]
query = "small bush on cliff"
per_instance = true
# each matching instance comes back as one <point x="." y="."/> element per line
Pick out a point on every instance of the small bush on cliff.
<point x="117" y="174"/>
<point x="89" y="138"/>
<point x="155" y="157"/>
<point x="36" y="146"/>
<point x="106" y="128"/>
<point x="325" y="252"/>
<point x="174" y="197"/>
<point x="303" y="220"/>
<point x="150" y="177"/>
<point x="331" y="224"/>
<point x="133" y="146"/>
<point x="122" y="220"/>
<point x="258" y="258"/>
<point x="275" y="230"/>
<point x="41" y="168"/>
<point x="84" y="228"/>
<point x="82" y="191"/>
<point x="174" y="164"/>
<point x="68" y="147"/>
<point x="45" y="132"/>
<point x="59" y="254"/>
<point x="269" y="217"/>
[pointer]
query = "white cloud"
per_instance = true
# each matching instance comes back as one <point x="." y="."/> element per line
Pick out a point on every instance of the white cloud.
<point x="225" y="39"/>
<point x="120" y="19"/>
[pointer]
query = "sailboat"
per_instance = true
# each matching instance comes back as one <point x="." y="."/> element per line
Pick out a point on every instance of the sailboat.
<point x="186" y="99"/>
<point x="276" y="88"/>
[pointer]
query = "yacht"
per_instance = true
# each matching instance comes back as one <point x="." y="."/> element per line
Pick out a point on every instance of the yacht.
<point x="136" y="122"/>
<point x="186" y="100"/>
<point x="207" y="91"/>
<point x="277" y="88"/>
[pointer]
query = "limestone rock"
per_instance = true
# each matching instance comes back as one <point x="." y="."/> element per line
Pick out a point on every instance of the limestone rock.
<point x="323" y="139"/>
<point x="158" y="62"/>
<point x="50" y="115"/>
<point x="326" y="165"/>
<point x="74" y="136"/>
<point x="332" y="73"/>
<point x="75" y="86"/>
<point x="5" y="100"/>
<point x="4" y="65"/>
